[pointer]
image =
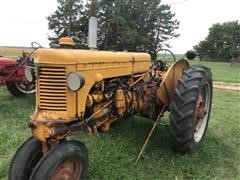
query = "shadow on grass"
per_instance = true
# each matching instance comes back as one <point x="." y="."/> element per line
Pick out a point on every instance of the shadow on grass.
<point x="112" y="155"/>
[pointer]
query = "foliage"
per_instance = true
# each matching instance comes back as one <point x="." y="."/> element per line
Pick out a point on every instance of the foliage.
<point x="133" y="25"/>
<point x="222" y="42"/>
<point x="112" y="155"/>
<point x="70" y="18"/>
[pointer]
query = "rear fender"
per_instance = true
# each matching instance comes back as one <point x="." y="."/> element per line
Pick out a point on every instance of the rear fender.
<point x="170" y="81"/>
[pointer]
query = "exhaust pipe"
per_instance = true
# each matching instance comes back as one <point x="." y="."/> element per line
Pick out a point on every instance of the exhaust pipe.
<point x="92" y="27"/>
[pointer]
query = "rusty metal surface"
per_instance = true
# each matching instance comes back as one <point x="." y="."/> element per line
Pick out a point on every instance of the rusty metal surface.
<point x="170" y="81"/>
<point x="200" y="110"/>
<point x="69" y="170"/>
<point x="42" y="132"/>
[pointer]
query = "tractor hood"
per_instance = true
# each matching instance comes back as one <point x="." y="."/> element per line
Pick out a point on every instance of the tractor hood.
<point x="74" y="56"/>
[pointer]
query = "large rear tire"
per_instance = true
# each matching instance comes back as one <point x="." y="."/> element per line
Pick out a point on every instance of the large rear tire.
<point x="190" y="109"/>
<point x="68" y="160"/>
<point x="25" y="159"/>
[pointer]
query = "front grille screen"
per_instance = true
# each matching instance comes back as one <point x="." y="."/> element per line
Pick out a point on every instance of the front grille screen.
<point x="52" y="88"/>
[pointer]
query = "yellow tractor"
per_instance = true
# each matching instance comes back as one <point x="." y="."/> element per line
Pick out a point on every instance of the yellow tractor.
<point x="88" y="90"/>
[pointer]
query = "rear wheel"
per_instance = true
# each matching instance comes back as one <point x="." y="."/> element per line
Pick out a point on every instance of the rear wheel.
<point x="190" y="109"/>
<point x="25" y="159"/>
<point x="21" y="89"/>
<point x="68" y="160"/>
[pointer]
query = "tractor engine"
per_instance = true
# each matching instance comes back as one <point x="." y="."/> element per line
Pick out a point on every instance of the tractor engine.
<point x="129" y="98"/>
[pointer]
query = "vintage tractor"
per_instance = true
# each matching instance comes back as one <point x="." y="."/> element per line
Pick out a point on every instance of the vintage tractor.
<point x="12" y="74"/>
<point x="88" y="90"/>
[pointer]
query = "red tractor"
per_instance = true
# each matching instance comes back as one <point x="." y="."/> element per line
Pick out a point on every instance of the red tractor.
<point x="12" y="74"/>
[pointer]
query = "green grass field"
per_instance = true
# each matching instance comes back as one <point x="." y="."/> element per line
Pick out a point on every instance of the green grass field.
<point x="112" y="155"/>
<point x="222" y="71"/>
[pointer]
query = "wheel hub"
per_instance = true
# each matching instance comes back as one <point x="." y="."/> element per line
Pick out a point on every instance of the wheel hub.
<point x="200" y="109"/>
<point x="68" y="170"/>
<point x="26" y="87"/>
<point x="201" y="112"/>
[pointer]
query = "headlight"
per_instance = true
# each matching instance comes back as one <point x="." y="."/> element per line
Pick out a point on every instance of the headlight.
<point x="75" y="81"/>
<point x="28" y="73"/>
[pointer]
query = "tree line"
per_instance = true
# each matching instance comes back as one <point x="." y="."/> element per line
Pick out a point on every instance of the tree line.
<point x="132" y="25"/>
<point x="137" y="25"/>
<point x="222" y="42"/>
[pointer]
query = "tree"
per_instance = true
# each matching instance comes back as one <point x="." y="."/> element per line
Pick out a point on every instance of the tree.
<point x="222" y="42"/>
<point x="70" y="19"/>
<point x="133" y="25"/>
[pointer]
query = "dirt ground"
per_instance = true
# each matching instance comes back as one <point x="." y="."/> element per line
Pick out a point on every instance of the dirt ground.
<point x="227" y="86"/>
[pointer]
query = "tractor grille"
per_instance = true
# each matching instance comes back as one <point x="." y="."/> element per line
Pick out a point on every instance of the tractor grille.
<point x="52" y="88"/>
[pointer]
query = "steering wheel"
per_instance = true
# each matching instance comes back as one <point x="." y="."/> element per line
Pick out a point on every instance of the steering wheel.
<point x="166" y="56"/>
<point x="35" y="45"/>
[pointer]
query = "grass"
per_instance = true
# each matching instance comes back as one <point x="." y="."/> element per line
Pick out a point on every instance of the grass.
<point x="112" y="155"/>
<point x="222" y="71"/>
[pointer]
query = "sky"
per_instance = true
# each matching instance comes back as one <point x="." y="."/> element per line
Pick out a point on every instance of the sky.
<point x="22" y="22"/>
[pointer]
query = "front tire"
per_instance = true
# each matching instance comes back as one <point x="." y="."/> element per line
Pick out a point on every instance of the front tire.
<point x="190" y="109"/>
<point x="68" y="160"/>
<point x="25" y="159"/>
<point x="21" y="89"/>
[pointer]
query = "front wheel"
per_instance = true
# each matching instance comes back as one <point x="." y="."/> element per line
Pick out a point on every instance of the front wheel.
<point x="25" y="159"/>
<point x="190" y="109"/>
<point x="68" y="160"/>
